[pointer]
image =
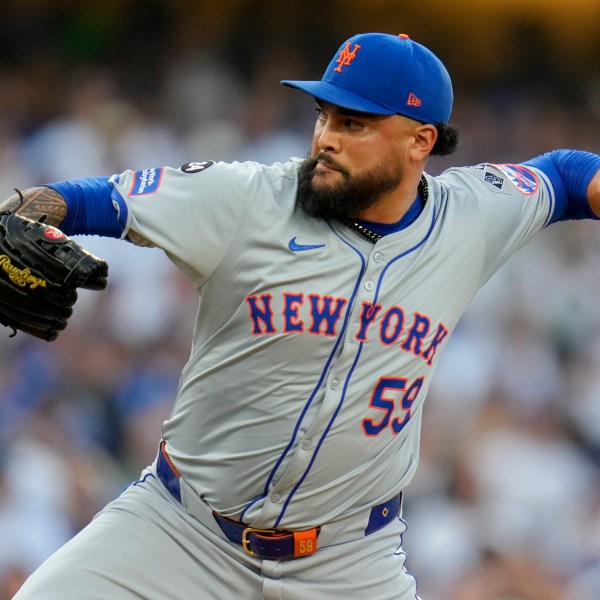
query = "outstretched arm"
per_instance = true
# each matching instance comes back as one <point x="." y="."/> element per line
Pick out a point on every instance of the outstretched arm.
<point x="575" y="178"/>
<point x="80" y="206"/>
<point x="38" y="201"/>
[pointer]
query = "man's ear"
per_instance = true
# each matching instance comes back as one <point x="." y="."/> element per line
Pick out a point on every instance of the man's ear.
<point x="425" y="137"/>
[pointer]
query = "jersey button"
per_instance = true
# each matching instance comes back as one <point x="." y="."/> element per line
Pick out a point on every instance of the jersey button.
<point x="275" y="498"/>
<point x="334" y="384"/>
<point x="378" y="257"/>
<point x="369" y="285"/>
<point x="307" y="443"/>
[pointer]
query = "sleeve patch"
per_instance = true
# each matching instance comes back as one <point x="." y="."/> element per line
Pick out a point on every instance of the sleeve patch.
<point x="146" y="181"/>
<point x="521" y="177"/>
<point x="196" y="167"/>
<point x="494" y="180"/>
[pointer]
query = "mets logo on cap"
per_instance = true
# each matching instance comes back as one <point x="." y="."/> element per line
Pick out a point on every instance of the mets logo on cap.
<point x="346" y="56"/>
<point x="525" y="180"/>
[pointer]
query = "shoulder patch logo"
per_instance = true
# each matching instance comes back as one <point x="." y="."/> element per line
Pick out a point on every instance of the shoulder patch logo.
<point x="494" y="180"/>
<point x="146" y="181"/>
<point x="197" y="167"/>
<point x="525" y="180"/>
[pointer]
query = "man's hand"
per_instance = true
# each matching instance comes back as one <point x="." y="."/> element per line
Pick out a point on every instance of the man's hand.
<point x="40" y="271"/>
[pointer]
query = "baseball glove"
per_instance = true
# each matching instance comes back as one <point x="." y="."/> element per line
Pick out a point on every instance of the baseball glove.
<point x="40" y="271"/>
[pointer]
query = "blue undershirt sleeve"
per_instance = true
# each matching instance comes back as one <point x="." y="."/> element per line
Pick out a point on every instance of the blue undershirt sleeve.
<point x="570" y="173"/>
<point x="94" y="207"/>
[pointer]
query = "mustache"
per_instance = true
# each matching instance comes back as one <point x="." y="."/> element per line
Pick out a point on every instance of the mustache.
<point x="326" y="159"/>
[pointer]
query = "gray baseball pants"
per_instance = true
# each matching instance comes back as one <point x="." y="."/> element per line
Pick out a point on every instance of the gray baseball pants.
<point x="146" y="545"/>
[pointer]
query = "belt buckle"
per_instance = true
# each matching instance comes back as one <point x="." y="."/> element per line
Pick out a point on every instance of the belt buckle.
<point x="246" y="542"/>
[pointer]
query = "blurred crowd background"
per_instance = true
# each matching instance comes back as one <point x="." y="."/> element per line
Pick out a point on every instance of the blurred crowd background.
<point x="506" y="504"/>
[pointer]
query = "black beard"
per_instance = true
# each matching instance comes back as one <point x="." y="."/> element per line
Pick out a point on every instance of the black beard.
<point x="347" y="199"/>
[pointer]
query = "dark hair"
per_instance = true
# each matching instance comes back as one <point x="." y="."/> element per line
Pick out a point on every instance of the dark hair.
<point x="447" y="141"/>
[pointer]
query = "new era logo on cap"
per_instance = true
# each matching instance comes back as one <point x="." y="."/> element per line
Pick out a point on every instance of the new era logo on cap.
<point x="385" y="74"/>
<point x="413" y="100"/>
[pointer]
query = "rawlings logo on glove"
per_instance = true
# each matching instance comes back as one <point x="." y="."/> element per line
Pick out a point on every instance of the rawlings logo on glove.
<point x="40" y="271"/>
<point x="20" y="277"/>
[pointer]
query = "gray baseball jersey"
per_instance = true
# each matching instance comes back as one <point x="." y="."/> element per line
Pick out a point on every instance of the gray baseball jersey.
<point x="302" y="399"/>
<point x="313" y="349"/>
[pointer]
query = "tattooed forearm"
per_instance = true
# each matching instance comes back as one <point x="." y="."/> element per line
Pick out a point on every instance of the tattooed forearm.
<point x="37" y="202"/>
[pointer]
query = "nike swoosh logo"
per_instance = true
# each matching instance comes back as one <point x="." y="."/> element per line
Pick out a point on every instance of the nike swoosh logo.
<point x="294" y="246"/>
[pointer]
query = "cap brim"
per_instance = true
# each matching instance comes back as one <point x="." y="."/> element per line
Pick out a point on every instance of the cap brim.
<point x="327" y="92"/>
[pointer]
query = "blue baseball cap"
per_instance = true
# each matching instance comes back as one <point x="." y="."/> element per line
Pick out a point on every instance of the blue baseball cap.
<point x="385" y="74"/>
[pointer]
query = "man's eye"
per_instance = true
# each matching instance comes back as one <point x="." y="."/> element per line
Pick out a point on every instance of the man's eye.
<point x="352" y="124"/>
<point x="320" y="114"/>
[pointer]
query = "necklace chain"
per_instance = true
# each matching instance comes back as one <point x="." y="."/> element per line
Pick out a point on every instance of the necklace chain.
<point x="368" y="234"/>
<point x="372" y="236"/>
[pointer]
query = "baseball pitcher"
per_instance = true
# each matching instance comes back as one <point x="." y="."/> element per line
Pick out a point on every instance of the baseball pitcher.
<point x="328" y="287"/>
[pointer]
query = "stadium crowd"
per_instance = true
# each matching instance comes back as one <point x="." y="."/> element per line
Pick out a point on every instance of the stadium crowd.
<point x="506" y="503"/>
